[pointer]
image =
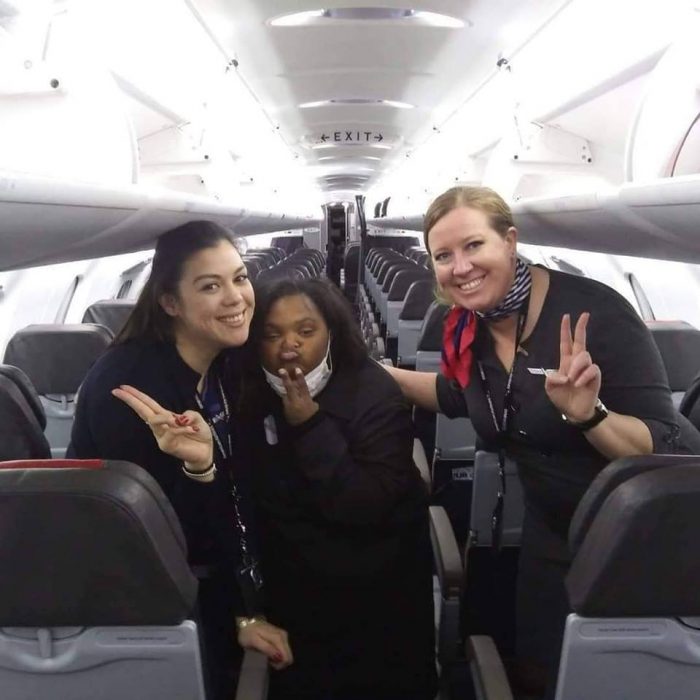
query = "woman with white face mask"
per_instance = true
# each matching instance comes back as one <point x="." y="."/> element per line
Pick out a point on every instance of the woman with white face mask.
<point x="342" y="510"/>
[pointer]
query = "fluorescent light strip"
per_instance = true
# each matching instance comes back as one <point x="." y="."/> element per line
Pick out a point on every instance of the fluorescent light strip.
<point x="367" y="14"/>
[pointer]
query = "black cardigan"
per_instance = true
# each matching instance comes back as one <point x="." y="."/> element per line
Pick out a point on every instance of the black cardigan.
<point x="107" y="428"/>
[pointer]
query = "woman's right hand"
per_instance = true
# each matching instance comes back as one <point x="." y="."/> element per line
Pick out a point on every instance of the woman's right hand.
<point x="270" y="640"/>
<point x="185" y="436"/>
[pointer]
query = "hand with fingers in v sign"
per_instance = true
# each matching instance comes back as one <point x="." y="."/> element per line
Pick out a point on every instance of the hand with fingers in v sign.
<point x="186" y="436"/>
<point x="297" y="401"/>
<point x="574" y="387"/>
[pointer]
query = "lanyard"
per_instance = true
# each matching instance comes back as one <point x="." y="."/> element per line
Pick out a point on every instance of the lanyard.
<point x="213" y="404"/>
<point x="502" y="429"/>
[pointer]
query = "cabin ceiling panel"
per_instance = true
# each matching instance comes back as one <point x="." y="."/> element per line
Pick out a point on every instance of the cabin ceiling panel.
<point x="435" y="69"/>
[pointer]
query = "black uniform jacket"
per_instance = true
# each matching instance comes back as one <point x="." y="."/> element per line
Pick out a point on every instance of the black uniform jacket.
<point x="343" y="524"/>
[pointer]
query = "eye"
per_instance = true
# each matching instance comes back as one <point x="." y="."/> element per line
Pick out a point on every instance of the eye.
<point x="211" y="287"/>
<point x="441" y="257"/>
<point x="240" y="279"/>
<point x="473" y="245"/>
<point x="270" y="335"/>
<point x="306" y="332"/>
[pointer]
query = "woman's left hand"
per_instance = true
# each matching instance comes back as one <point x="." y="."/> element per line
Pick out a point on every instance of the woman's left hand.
<point x="574" y="387"/>
<point x="298" y="404"/>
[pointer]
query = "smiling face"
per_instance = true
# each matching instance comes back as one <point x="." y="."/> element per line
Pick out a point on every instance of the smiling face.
<point x="294" y="335"/>
<point x="474" y="264"/>
<point x="214" y="303"/>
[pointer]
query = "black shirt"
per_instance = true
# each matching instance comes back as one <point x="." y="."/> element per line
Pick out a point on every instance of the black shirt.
<point x="107" y="428"/>
<point x="556" y="462"/>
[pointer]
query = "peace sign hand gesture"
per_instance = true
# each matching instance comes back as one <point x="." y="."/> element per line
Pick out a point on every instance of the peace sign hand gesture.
<point x="185" y="436"/>
<point x="574" y="387"/>
<point x="298" y="404"/>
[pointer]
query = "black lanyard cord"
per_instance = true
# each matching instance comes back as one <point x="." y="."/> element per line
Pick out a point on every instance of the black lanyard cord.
<point x="502" y="429"/>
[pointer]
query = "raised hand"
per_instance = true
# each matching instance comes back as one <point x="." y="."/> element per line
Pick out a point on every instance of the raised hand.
<point x="185" y="436"/>
<point x="574" y="387"/>
<point x="298" y="404"/>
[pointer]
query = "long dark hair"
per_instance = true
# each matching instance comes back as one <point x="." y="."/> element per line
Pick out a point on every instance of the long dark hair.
<point x="347" y="345"/>
<point x="174" y="248"/>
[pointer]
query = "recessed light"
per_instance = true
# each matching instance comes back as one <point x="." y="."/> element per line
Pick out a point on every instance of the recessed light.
<point x="351" y="101"/>
<point x="367" y="14"/>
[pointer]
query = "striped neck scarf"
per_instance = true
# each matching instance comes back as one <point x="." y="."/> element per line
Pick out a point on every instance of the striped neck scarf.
<point x="516" y="297"/>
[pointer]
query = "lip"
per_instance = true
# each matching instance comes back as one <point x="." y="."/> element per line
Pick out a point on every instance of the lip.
<point x="233" y="320"/>
<point x="459" y="284"/>
<point x="288" y="356"/>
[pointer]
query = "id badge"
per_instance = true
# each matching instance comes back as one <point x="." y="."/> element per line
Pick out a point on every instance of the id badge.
<point x="270" y="430"/>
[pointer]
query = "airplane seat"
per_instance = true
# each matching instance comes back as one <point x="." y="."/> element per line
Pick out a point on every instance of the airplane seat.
<point x="56" y="358"/>
<point x="632" y="585"/>
<point x="386" y="285"/>
<point x="690" y="403"/>
<point x="112" y="313"/>
<point x="486" y="487"/>
<point x="679" y="345"/>
<point x="97" y="589"/>
<point x="253" y="266"/>
<point x="394" y="303"/>
<point x="455" y="438"/>
<point x="22" y="419"/>
<point x="351" y="266"/>
<point x="414" y="309"/>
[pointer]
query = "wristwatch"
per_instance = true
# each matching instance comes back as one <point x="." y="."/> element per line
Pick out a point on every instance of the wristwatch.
<point x="600" y="413"/>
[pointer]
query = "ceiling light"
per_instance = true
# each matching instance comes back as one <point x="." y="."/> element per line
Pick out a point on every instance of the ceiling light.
<point x="367" y="14"/>
<point x="296" y="19"/>
<point x="319" y="146"/>
<point x="350" y="101"/>
<point x="372" y="157"/>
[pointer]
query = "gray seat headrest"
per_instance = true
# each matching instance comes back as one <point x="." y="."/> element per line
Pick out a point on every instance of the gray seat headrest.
<point x="112" y="313"/>
<point x="679" y="345"/>
<point x="56" y="357"/>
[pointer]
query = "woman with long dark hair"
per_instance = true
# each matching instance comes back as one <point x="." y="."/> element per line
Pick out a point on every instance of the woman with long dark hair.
<point x="179" y="348"/>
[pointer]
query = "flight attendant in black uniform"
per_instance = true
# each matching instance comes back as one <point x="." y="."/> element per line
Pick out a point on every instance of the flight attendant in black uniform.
<point x="557" y="372"/>
<point x="342" y="508"/>
<point x="178" y="347"/>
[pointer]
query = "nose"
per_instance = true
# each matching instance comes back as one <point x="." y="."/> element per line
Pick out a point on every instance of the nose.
<point x="233" y="295"/>
<point x="290" y="341"/>
<point x="462" y="264"/>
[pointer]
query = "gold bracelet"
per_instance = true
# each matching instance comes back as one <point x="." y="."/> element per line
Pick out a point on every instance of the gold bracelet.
<point x="243" y="622"/>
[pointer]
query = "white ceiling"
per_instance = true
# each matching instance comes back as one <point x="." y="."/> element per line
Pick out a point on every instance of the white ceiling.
<point x="432" y="68"/>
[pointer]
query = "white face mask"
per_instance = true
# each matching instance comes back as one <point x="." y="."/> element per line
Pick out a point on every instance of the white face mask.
<point x="316" y="379"/>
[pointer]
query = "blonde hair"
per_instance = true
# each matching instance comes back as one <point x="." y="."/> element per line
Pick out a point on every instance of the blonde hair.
<point x="481" y="198"/>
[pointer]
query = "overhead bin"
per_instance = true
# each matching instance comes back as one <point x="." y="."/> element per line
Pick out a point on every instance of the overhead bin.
<point x="48" y="221"/>
<point x="656" y="219"/>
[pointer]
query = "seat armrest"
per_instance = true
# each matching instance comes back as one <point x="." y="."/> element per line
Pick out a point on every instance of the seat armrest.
<point x="421" y="462"/>
<point x="488" y="674"/>
<point x="448" y="562"/>
<point x="254" y="677"/>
